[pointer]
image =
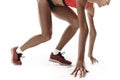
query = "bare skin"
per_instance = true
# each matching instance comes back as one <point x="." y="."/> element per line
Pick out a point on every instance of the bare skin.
<point x="75" y="23"/>
<point x="46" y="25"/>
<point x="82" y="38"/>
<point x="80" y="66"/>
<point x="92" y="33"/>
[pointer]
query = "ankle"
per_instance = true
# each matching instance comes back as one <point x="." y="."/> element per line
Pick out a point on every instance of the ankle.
<point x="56" y="51"/>
<point x="18" y="50"/>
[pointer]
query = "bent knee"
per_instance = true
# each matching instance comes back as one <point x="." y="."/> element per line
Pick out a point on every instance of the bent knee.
<point x="74" y="23"/>
<point x="46" y="37"/>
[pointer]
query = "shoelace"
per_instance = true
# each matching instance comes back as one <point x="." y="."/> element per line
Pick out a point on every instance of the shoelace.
<point x="20" y="56"/>
<point x="61" y="53"/>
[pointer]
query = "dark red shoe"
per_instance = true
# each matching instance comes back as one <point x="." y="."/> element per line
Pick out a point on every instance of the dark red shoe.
<point x="59" y="59"/>
<point x="16" y="57"/>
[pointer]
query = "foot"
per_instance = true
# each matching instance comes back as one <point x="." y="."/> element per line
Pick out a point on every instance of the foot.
<point x="16" y="57"/>
<point x="59" y="59"/>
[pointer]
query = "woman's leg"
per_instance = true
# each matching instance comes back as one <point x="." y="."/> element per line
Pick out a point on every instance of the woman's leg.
<point x="46" y="26"/>
<point x="64" y="13"/>
<point x="67" y="14"/>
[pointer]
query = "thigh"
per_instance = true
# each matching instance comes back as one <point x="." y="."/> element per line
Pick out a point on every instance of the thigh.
<point x="45" y="16"/>
<point x="65" y="13"/>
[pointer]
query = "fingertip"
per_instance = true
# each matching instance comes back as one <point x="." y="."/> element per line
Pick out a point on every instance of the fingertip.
<point x="76" y="74"/>
<point x="80" y="76"/>
<point x="97" y="61"/>
<point x="87" y="71"/>
<point x="71" y="73"/>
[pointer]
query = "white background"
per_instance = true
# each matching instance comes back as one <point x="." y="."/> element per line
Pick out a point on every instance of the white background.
<point x="19" y="21"/>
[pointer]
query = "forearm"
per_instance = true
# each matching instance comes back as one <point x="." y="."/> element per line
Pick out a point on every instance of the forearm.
<point x="83" y="29"/>
<point x="82" y="43"/>
<point x="91" y="42"/>
<point x="92" y="31"/>
<point x="80" y="66"/>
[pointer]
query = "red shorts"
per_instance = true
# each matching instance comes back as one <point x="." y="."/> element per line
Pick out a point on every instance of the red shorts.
<point x="72" y="3"/>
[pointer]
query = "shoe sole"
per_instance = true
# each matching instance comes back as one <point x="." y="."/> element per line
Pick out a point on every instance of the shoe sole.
<point x="55" y="61"/>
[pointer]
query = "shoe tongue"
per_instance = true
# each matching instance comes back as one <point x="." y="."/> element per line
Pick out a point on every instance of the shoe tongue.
<point x="60" y="54"/>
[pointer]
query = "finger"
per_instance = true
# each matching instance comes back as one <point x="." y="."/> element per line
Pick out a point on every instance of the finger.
<point x="92" y="61"/>
<point x="74" y="71"/>
<point x="95" y="60"/>
<point x="86" y="71"/>
<point x="82" y="74"/>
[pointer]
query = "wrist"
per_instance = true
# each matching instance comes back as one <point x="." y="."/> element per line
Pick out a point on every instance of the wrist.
<point x="80" y="64"/>
<point x="89" y="55"/>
